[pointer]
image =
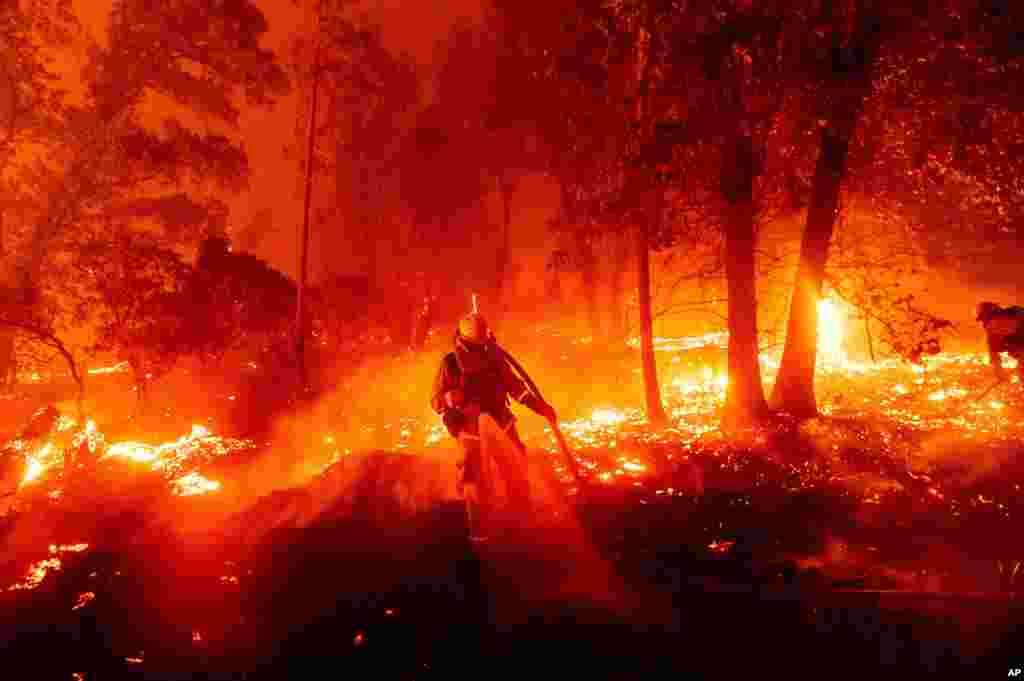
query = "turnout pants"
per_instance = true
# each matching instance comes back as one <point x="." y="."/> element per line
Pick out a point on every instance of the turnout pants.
<point x="477" y="475"/>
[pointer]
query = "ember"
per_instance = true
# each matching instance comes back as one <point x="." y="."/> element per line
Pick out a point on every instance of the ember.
<point x="39" y="570"/>
<point x="193" y="484"/>
<point x="84" y="599"/>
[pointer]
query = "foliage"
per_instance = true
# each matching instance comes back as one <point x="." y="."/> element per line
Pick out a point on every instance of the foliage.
<point x="132" y="288"/>
<point x="104" y="161"/>
<point x="877" y="267"/>
<point x="941" y="145"/>
<point x="238" y="302"/>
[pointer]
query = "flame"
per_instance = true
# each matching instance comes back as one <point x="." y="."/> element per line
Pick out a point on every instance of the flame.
<point x="84" y="599"/>
<point x="38" y="463"/>
<point x="830" y="334"/>
<point x="120" y="367"/>
<point x="193" y="484"/>
<point x="89" y="436"/>
<point x="176" y="461"/>
<point x="171" y="458"/>
<point x="607" y="417"/>
<point x="38" y="571"/>
<point x="36" y="574"/>
<point x="135" y="451"/>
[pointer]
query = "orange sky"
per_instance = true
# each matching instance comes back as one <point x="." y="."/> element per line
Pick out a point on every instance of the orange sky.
<point x="412" y="26"/>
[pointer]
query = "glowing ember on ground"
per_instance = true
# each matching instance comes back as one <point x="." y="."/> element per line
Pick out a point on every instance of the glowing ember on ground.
<point x="120" y="367"/>
<point x="136" y="451"/>
<point x="607" y="417"/>
<point x="68" y="548"/>
<point x="36" y="574"/>
<point x="84" y="599"/>
<point x="35" y="469"/>
<point x="193" y="484"/>
<point x="38" y="571"/>
<point x="90" y="437"/>
<point x="717" y="339"/>
<point x="172" y="458"/>
<point x="177" y="461"/>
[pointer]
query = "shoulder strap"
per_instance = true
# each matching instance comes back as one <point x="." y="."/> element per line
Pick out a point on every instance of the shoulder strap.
<point x="451" y="361"/>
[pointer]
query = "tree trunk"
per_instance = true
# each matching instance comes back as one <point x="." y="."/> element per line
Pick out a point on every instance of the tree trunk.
<point x="140" y="387"/>
<point x="584" y="260"/>
<point x="618" y="325"/>
<point x="8" y="367"/>
<point x="744" y="403"/>
<point x="504" y="249"/>
<point x="588" y="274"/>
<point x="793" y="391"/>
<point x="652" y="392"/>
<point x="7" y="284"/>
<point x="301" y="317"/>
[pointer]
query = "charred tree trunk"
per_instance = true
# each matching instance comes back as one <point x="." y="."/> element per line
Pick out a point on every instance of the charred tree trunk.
<point x="505" y="247"/>
<point x="793" y="391"/>
<point x="8" y="371"/>
<point x="745" y="403"/>
<point x="618" y="325"/>
<point x="588" y="274"/>
<point x="141" y="387"/>
<point x="301" y="316"/>
<point x="650" y="225"/>
<point x="652" y="391"/>
<point x="584" y="260"/>
<point x="79" y="380"/>
<point x="8" y="367"/>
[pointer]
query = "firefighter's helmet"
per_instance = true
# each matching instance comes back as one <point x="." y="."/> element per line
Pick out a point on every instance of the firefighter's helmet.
<point x="473" y="329"/>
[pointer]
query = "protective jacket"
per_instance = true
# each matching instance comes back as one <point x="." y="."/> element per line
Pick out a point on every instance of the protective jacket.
<point x="485" y="379"/>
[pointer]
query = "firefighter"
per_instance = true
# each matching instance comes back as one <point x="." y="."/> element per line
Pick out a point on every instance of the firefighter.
<point x="473" y="380"/>
<point x="1004" y="332"/>
<point x="423" y="320"/>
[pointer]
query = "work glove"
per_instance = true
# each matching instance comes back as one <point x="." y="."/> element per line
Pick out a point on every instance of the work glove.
<point x="540" y="407"/>
<point x="454" y="398"/>
<point x="453" y="420"/>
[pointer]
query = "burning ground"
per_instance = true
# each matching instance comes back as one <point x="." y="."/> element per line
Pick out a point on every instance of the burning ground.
<point x="882" y="531"/>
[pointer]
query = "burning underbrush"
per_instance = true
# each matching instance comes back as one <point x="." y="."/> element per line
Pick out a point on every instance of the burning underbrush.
<point x="909" y="482"/>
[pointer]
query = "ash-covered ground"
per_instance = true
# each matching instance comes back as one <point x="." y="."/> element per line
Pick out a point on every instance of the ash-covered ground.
<point x="882" y="534"/>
